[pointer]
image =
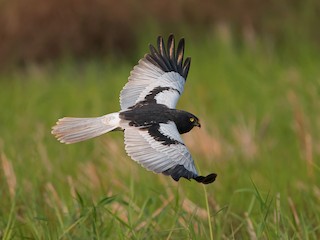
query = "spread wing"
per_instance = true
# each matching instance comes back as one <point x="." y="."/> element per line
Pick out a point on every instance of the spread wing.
<point x="160" y="149"/>
<point x="159" y="77"/>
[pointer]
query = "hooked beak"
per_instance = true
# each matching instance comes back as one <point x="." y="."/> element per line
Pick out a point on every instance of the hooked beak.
<point x="198" y="124"/>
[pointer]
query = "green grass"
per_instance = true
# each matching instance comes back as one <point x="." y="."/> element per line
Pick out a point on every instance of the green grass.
<point x="259" y="107"/>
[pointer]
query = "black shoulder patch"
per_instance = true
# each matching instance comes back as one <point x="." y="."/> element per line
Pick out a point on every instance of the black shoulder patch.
<point x="150" y="97"/>
<point x="153" y="130"/>
<point x="152" y="94"/>
<point x="168" y="59"/>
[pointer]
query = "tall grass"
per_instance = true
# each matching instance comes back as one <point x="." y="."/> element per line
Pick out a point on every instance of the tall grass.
<point x="259" y="107"/>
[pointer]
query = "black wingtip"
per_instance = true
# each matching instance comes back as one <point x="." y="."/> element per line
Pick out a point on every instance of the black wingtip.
<point x="186" y="67"/>
<point x="179" y="171"/>
<point x="206" y="180"/>
<point x="171" y="39"/>
<point x="168" y="58"/>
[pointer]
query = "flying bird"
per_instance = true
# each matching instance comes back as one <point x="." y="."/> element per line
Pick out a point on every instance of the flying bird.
<point x="151" y="124"/>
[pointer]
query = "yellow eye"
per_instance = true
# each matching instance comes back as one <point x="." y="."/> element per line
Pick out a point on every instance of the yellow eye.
<point x="191" y="119"/>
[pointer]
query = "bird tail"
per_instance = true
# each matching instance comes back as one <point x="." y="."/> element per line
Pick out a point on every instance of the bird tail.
<point x="71" y="130"/>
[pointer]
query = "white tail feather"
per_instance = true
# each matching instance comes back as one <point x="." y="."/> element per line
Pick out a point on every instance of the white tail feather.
<point x="71" y="130"/>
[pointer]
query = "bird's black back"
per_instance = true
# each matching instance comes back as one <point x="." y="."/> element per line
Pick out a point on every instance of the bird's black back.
<point x="145" y="116"/>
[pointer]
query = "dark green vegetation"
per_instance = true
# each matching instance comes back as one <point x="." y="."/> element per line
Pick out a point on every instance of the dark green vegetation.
<point x="41" y="31"/>
<point x="260" y="111"/>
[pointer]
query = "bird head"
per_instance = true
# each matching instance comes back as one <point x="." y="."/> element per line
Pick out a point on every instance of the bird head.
<point x="194" y="121"/>
<point x="185" y="121"/>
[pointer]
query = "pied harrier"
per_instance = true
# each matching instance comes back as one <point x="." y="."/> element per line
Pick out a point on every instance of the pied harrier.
<point x="151" y="124"/>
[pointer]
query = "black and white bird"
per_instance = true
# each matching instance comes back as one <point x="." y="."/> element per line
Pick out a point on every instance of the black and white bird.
<point x="151" y="124"/>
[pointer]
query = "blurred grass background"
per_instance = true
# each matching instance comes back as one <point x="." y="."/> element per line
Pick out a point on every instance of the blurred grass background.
<point x="254" y="83"/>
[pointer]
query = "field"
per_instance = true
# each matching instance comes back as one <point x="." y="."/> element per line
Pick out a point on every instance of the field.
<point x="259" y="106"/>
